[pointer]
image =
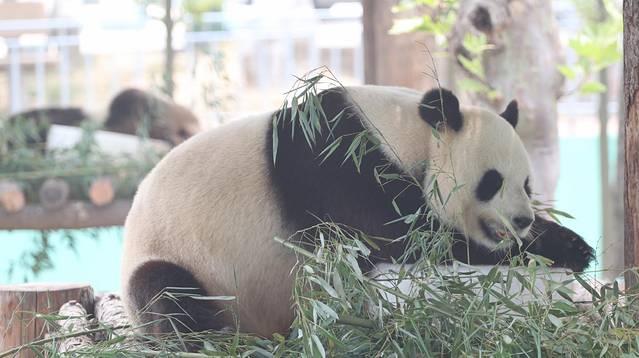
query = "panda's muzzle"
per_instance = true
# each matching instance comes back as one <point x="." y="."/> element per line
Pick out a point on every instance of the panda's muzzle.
<point x="495" y="234"/>
<point x="489" y="231"/>
<point x="500" y="233"/>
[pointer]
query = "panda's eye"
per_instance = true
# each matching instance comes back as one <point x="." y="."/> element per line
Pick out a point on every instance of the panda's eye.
<point x="527" y="187"/>
<point x="489" y="185"/>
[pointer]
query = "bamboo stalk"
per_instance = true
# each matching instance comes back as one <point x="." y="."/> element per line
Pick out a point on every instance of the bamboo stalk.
<point x="40" y="342"/>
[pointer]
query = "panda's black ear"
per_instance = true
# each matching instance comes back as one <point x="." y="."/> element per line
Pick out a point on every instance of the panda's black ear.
<point x="511" y="113"/>
<point x="439" y="106"/>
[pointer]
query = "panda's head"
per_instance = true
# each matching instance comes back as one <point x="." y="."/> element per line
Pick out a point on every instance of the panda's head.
<point x="479" y="171"/>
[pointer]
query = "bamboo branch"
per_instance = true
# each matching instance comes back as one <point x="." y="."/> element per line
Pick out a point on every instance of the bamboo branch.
<point x="40" y="342"/>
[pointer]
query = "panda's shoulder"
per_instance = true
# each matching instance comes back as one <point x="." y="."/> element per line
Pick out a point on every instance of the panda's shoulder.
<point x="389" y="92"/>
<point x="234" y="140"/>
<point x="373" y="96"/>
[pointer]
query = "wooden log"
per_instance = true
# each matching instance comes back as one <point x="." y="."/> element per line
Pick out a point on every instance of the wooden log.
<point x="12" y="197"/>
<point x="101" y="191"/>
<point x="110" y="312"/>
<point x="21" y="304"/>
<point x="74" y="215"/>
<point x="53" y="193"/>
<point x="76" y="320"/>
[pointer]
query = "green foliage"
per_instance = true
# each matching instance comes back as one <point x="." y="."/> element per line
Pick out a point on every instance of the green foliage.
<point x="438" y="20"/>
<point x="198" y="7"/>
<point x="194" y="8"/>
<point x="597" y="46"/>
<point x="24" y="160"/>
<point x="460" y="312"/>
<point x="307" y="114"/>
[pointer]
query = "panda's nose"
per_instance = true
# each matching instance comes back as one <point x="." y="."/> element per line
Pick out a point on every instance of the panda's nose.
<point x="522" y="222"/>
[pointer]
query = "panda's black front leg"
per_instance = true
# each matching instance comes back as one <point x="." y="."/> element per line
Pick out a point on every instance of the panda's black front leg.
<point x="560" y="244"/>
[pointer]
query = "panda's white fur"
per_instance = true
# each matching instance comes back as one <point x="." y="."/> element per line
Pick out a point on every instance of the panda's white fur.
<point x="491" y="143"/>
<point x="485" y="137"/>
<point x="217" y="219"/>
<point x="209" y="206"/>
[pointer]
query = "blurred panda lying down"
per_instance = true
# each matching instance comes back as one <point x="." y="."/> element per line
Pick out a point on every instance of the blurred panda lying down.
<point x="128" y="112"/>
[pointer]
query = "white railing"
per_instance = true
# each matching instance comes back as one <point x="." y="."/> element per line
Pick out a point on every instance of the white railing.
<point x="60" y="62"/>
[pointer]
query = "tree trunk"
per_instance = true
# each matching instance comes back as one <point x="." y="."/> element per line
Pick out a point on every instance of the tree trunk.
<point x="521" y="64"/>
<point x="395" y="60"/>
<point x="611" y="245"/>
<point x="615" y="243"/>
<point x="631" y="98"/>
<point x="19" y="305"/>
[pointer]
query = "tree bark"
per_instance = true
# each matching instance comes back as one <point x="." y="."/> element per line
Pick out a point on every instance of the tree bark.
<point x="631" y="100"/>
<point x="611" y="244"/>
<point x="616" y="241"/>
<point x="394" y="60"/>
<point x="521" y="64"/>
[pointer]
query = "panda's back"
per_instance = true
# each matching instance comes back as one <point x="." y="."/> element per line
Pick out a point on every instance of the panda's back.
<point x="210" y="197"/>
<point x="213" y="205"/>
<point x="194" y="206"/>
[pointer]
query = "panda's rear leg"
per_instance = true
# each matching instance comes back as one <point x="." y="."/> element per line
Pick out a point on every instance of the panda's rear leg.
<point x="164" y="296"/>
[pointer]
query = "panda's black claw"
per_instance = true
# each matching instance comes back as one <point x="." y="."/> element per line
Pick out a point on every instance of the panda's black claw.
<point x="577" y="255"/>
<point x="564" y="247"/>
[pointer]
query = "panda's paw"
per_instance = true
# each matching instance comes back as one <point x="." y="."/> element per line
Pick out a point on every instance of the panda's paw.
<point x="568" y="249"/>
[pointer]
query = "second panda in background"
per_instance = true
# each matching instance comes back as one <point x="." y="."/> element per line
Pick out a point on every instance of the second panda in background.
<point x="131" y="111"/>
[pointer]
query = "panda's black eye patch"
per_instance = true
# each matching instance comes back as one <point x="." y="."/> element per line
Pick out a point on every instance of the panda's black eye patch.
<point x="527" y="187"/>
<point x="489" y="185"/>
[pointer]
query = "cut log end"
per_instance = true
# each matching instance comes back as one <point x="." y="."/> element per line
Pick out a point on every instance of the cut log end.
<point x="54" y="193"/>
<point x="101" y="191"/>
<point x="12" y="197"/>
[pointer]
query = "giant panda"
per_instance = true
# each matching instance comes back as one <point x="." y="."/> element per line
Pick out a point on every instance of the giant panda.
<point x="205" y="217"/>
<point x="130" y="111"/>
